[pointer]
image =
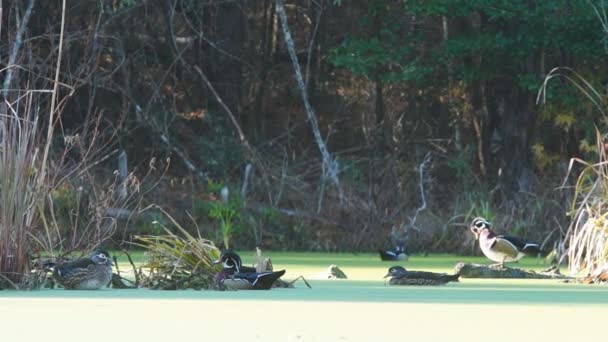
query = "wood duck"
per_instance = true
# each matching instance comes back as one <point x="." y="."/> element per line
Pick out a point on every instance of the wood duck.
<point x="500" y="248"/>
<point x="392" y="255"/>
<point x="401" y="276"/>
<point x="235" y="276"/>
<point x="86" y="273"/>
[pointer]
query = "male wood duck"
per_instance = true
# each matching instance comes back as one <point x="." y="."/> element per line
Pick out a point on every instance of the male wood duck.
<point x="86" y="273"/>
<point x="500" y="248"/>
<point x="392" y="255"/>
<point x="401" y="276"/>
<point x="235" y="276"/>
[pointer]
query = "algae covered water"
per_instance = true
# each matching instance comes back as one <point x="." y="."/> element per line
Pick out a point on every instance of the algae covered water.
<point x="361" y="308"/>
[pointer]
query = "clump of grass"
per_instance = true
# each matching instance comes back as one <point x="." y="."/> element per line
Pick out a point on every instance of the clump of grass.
<point x="20" y="188"/>
<point x="588" y="233"/>
<point x="178" y="260"/>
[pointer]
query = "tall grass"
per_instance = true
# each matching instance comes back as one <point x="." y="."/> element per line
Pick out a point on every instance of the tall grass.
<point x="20" y="186"/>
<point x="588" y="232"/>
<point x="587" y="236"/>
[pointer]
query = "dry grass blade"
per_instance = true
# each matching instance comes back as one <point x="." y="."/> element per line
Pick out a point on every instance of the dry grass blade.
<point x="588" y="232"/>
<point x="19" y="187"/>
<point x="579" y="82"/>
<point x="176" y="259"/>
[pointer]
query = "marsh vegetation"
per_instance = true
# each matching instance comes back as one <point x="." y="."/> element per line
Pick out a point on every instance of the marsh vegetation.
<point x="330" y="126"/>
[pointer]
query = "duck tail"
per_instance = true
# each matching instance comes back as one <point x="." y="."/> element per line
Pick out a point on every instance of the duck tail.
<point x="533" y="249"/>
<point x="48" y="266"/>
<point x="387" y="255"/>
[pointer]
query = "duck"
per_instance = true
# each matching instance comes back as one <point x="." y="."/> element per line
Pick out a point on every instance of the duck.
<point x="501" y="248"/>
<point x="393" y="255"/>
<point x="235" y="276"/>
<point x="400" y="276"/>
<point x="90" y="273"/>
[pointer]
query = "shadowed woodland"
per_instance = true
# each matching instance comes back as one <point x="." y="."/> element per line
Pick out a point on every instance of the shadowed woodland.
<point x="322" y="125"/>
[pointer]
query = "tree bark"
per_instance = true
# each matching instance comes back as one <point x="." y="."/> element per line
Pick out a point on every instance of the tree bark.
<point x="514" y="116"/>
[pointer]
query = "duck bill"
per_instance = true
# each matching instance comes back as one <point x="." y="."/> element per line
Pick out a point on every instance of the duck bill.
<point x="475" y="232"/>
<point x="387" y="275"/>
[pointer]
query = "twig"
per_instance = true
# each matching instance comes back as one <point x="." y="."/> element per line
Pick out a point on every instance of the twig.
<point x="189" y="164"/>
<point x="15" y="286"/>
<point x="132" y="265"/>
<point x="421" y="168"/>
<point x="218" y="98"/>
<point x="51" y="124"/>
<point x="312" y="41"/>
<point x="298" y="278"/>
<point x="244" y="142"/>
<point x="300" y="214"/>
<point x="116" y="265"/>
<point x="246" y="180"/>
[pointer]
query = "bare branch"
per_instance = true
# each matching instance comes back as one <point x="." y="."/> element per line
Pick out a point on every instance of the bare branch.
<point x="330" y="165"/>
<point x="51" y="124"/>
<point x="421" y="168"/>
<point x="15" y="51"/>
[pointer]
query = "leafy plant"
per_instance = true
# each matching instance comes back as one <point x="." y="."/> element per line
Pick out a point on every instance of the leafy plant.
<point x="227" y="213"/>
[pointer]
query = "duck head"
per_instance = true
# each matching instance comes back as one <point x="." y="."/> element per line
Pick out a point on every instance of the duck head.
<point x="101" y="258"/>
<point x="396" y="272"/>
<point x="230" y="260"/>
<point x="478" y="225"/>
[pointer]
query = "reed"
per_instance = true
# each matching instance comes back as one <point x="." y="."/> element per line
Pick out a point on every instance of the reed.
<point x="21" y="186"/>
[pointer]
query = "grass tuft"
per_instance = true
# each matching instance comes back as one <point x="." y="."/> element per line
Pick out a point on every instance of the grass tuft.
<point x="20" y="187"/>
<point x="177" y="260"/>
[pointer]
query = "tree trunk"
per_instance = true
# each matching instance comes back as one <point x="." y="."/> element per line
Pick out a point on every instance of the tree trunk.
<point x="227" y="65"/>
<point x="379" y="109"/>
<point x="513" y="115"/>
<point x="266" y="56"/>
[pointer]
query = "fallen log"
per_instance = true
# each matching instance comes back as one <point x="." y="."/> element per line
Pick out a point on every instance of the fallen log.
<point x="468" y="270"/>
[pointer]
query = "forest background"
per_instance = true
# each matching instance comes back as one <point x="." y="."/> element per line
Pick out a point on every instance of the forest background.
<point x="405" y="120"/>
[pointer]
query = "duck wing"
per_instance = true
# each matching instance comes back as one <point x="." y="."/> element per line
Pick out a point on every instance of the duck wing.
<point x="442" y="277"/>
<point x="69" y="268"/>
<point x="522" y="245"/>
<point x="416" y="281"/>
<point x="259" y="281"/>
<point x="505" y="246"/>
<point x="387" y="255"/>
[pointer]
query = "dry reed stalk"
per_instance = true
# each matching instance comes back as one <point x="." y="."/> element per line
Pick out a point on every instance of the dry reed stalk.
<point x="19" y="185"/>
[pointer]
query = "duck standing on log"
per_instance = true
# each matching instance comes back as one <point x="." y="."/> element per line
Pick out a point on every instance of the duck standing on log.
<point x="500" y="248"/>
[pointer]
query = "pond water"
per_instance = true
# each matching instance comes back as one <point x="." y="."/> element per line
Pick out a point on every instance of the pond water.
<point x="361" y="308"/>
